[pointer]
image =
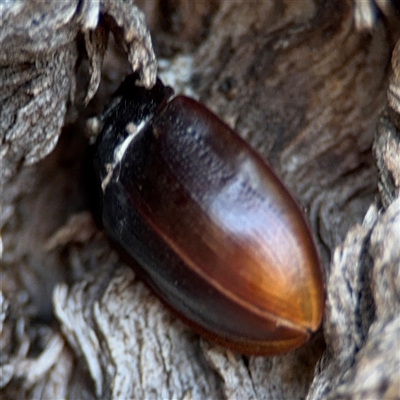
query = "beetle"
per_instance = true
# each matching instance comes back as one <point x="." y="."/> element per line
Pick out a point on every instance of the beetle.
<point x="208" y="225"/>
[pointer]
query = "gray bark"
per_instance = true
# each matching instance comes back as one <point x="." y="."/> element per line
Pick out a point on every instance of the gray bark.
<point x="307" y="85"/>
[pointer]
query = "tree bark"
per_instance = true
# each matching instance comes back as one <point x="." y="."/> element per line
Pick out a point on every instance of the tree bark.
<point x="313" y="86"/>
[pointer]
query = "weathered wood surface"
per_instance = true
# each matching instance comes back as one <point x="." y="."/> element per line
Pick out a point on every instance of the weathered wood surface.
<point x="313" y="87"/>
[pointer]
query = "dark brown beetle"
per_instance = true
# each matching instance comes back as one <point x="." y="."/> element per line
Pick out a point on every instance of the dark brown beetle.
<point x="214" y="231"/>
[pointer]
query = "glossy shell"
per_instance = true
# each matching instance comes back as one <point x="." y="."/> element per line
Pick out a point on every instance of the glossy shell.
<point x="212" y="229"/>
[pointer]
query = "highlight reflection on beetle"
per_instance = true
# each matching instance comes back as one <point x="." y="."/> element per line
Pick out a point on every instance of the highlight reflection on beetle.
<point x="213" y="230"/>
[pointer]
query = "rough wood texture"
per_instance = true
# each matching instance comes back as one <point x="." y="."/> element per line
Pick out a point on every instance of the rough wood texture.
<point x="39" y="53"/>
<point x="308" y="90"/>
